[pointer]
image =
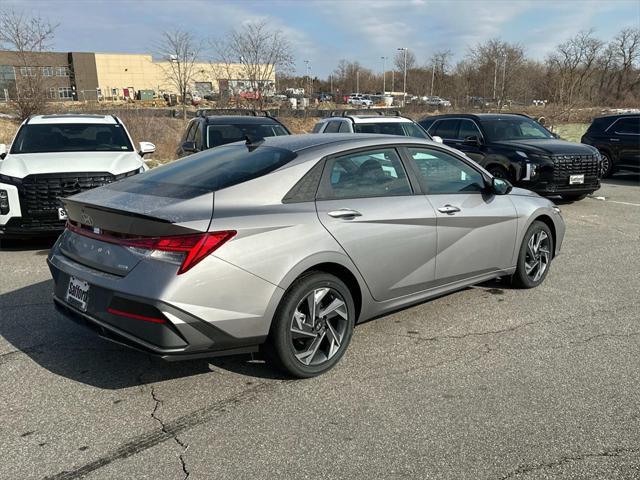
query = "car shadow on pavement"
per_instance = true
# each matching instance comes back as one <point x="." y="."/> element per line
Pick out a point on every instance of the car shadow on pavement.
<point x="32" y="326"/>
<point x="624" y="179"/>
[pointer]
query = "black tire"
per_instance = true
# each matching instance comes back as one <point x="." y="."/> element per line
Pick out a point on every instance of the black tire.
<point x="521" y="278"/>
<point x="574" y="197"/>
<point x="607" y="165"/>
<point x="282" y="346"/>
<point x="499" y="172"/>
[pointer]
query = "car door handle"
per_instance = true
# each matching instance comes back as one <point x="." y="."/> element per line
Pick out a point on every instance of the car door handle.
<point x="614" y="139"/>
<point x="448" y="209"/>
<point x="344" y="213"/>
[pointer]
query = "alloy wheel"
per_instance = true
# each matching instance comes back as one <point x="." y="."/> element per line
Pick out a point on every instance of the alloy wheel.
<point x="318" y="326"/>
<point x="537" y="255"/>
<point x="605" y="165"/>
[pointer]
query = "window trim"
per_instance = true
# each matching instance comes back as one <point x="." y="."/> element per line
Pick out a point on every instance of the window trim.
<point x="411" y="179"/>
<point x="408" y="160"/>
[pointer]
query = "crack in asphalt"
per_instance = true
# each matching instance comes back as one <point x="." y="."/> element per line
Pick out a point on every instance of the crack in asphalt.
<point x="171" y="429"/>
<point x="523" y="469"/>
<point x="183" y="445"/>
<point x="473" y="334"/>
<point x="607" y="335"/>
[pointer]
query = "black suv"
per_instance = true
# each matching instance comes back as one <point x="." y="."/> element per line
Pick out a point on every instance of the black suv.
<point x="205" y="132"/>
<point x="618" y="139"/>
<point x="521" y="150"/>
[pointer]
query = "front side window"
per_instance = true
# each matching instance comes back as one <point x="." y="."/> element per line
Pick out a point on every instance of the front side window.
<point x="317" y="127"/>
<point x="375" y="173"/>
<point x="441" y="173"/>
<point x="81" y="137"/>
<point x="519" y="128"/>
<point x="222" y="134"/>
<point x="468" y="129"/>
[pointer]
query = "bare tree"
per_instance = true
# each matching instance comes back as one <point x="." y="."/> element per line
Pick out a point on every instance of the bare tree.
<point x="398" y="61"/>
<point x="26" y="36"/>
<point x="626" y="48"/>
<point x="179" y="51"/>
<point x="254" y="52"/>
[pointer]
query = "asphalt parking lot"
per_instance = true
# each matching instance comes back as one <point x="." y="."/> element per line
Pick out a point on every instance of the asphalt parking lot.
<point x="485" y="383"/>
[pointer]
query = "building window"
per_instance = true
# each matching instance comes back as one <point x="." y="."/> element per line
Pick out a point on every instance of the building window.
<point x="52" y="93"/>
<point x="46" y="71"/>
<point x="62" y="71"/>
<point x="28" y="71"/>
<point x="65" y="93"/>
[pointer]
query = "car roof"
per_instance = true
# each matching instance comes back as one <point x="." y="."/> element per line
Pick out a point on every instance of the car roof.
<point x="235" y="119"/>
<point x="619" y="115"/>
<point x="72" y="118"/>
<point x="297" y="143"/>
<point x="477" y="116"/>
<point x="371" y="119"/>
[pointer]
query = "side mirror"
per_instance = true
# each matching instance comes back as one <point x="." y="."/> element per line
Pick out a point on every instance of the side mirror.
<point x="437" y="139"/>
<point x="472" y="140"/>
<point x="3" y="151"/>
<point x="145" y="148"/>
<point x="189" y="146"/>
<point x="500" y="186"/>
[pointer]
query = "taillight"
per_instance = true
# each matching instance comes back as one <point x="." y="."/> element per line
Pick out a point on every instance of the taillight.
<point x="191" y="248"/>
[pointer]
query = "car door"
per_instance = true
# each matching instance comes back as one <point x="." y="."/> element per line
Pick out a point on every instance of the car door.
<point x="469" y="139"/>
<point x="367" y="203"/>
<point x="626" y="131"/>
<point x="476" y="230"/>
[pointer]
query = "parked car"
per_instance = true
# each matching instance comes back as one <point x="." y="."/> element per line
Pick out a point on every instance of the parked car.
<point x="436" y="102"/>
<point x="325" y="97"/>
<point x="360" y="100"/>
<point x="617" y="138"/>
<point x="380" y="124"/>
<point x="55" y="156"/>
<point x="290" y="242"/>
<point x="205" y="132"/>
<point x="521" y="150"/>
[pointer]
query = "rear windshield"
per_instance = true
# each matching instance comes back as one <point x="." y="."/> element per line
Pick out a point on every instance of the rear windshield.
<point x="405" y="129"/>
<point x="220" y="168"/>
<point x="71" y="137"/>
<point x="222" y="134"/>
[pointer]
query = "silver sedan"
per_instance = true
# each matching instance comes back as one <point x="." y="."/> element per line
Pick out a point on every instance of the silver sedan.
<point x="286" y="243"/>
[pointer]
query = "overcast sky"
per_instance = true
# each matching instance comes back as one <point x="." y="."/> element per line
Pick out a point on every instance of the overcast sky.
<point x="325" y="31"/>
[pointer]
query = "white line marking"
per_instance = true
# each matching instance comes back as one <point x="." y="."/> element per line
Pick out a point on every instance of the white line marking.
<point x="604" y="199"/>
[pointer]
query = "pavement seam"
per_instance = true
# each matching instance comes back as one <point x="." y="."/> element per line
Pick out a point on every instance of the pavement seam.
<point x="183" y="445"/>
<point x="524" y="469"/>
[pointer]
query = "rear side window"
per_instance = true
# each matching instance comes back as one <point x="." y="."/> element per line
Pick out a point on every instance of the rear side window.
<point x="375" y="173"/>
<point x="220" y="168"/>
<point x="445" y="129"/>
<point x="317" y="127"/>
<point x="333" y="126"/>
<point x="222" y="134"/>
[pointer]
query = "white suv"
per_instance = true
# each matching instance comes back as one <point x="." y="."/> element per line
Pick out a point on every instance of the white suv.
<point x="55" y="156"/>
<point x="358" y="99"/>
<point x="386" y="125"/>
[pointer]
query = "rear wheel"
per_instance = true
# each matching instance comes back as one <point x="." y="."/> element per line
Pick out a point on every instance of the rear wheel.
<point x="534" y="259"/>
<point x="313" y="325"/>
<point x="606" y="167"/>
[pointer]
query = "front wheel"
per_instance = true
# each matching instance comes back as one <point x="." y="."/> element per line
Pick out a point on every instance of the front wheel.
<point x="313" y="325"/>
<point x="606" y="167"/>
<point x="534" y="259"/>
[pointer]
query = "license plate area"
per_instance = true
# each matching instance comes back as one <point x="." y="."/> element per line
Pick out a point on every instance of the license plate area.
<point x="78" y="293"/>
<point x="576" y="179"/>
<point x="62" y="214"/>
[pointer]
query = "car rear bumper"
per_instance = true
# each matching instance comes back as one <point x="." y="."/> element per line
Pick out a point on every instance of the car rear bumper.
<point x="175" y="317"/>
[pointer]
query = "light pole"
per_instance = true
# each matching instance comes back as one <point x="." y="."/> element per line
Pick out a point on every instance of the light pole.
<point x="307" y="70"/>
<point x="404" y="85"/>
<point x="384" y="75"/>
<point x="357" y="81"/>
<point x="433" y="76"/>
